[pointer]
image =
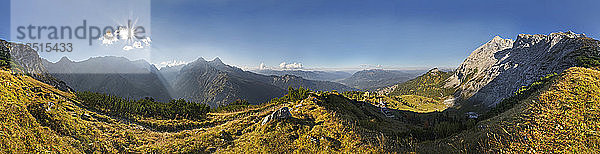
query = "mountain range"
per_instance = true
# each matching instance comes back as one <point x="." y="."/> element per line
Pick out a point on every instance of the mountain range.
<point x="112" y="75"/>
<point x="210" y="82"/>
<point x="377" y="78"/>
<point x="310" y="75"/>
<point x="219" y="84"/>
<point x="368" y="79"/>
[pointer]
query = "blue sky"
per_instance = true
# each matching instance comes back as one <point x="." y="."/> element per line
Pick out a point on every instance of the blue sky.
<point x="5" y="18"/>
<point x="348" y="34"/>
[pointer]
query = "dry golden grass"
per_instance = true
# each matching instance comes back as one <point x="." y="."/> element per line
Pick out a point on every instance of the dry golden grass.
<point x="419" y="104"/>
<point x="20" y="131"/>
<point x="27" y="125"/>
<point x="313" y="129"/>
<point x="412" y="103"/>
<point x="563" y="117"/>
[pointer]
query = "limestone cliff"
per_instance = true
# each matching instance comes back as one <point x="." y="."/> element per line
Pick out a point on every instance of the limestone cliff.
<point x="498" y="68"/>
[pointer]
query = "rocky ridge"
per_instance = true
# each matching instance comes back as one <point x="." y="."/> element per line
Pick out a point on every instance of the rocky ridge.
<point x="501" y="66"/>
<point x="30" y="63"/>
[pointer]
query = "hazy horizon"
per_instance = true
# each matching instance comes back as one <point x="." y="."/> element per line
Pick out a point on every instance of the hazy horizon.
<point x="254" y="69"/>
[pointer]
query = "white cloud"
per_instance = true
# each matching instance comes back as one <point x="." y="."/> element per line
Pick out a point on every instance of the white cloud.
<point x="137" y="44"/>
<point x="147" y="41"/>
<point x="263" y="66"/>
<point x="171" y="63"/>
<point x="108" y="38"/>
<point x="371" y="66"/>
<point x="284" y="65"/>
<point x="127" y="36"/>
<point x="127" y="48"/>
<point x="125" y="33"/>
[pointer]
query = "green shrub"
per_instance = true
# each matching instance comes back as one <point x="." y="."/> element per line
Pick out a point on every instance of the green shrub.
<point x="146" y="107"/>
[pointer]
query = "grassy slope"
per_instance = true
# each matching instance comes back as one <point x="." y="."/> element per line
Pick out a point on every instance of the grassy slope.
<point x="418" y="103"/>
<point x="425" y="93"/>
<point x="562" y="117"/>
<point x="328" y="123"/>
<point x="30" y="124"/>
<point x="19" y="130"/>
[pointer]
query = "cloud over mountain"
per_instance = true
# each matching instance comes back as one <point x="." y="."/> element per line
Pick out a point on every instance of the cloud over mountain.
<point x="170" y="63"/>
<point x="285" y="65"/>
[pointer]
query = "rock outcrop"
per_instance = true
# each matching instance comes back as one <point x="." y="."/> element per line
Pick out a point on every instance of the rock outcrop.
<point x="282" y="113"/>
<point x="498" y="68"/>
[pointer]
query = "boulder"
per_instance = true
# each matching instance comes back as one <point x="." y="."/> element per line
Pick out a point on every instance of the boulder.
<point x="282" y="113"/>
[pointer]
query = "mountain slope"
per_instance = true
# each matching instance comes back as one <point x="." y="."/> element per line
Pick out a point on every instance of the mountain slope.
<point x="430" y="84"/>
<point x="20" y="58"/>
<point x="200" y="81"/>
<point x="376" y="78"/>
<point x="498" y="68"/>
<point x="39" y="118"/>
<point x="425" y="93"/>
<point x="170" y="73"/>
<point x="112" y="75"/>
<point x="562" y="117"/>
<point x="319" y="122"/>
<point x="21" y="131"/>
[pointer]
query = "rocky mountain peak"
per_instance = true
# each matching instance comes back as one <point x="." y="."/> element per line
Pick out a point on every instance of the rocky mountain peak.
<point x="498" y="68"/>
<point x="200" y="59"/>
<point x="481" y="59"/>
<point x="64" y="60"/>
<point x="434" y="70"/>
<point x="568" y="34"/>
<point x="217" y="60"/>
<point x="496" y="38"/>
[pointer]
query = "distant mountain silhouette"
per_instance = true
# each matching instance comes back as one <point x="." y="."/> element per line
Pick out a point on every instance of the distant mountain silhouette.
<point x="112" y="75"/>
<point x="310" y="75"/>
<point x="377" y="78"/>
